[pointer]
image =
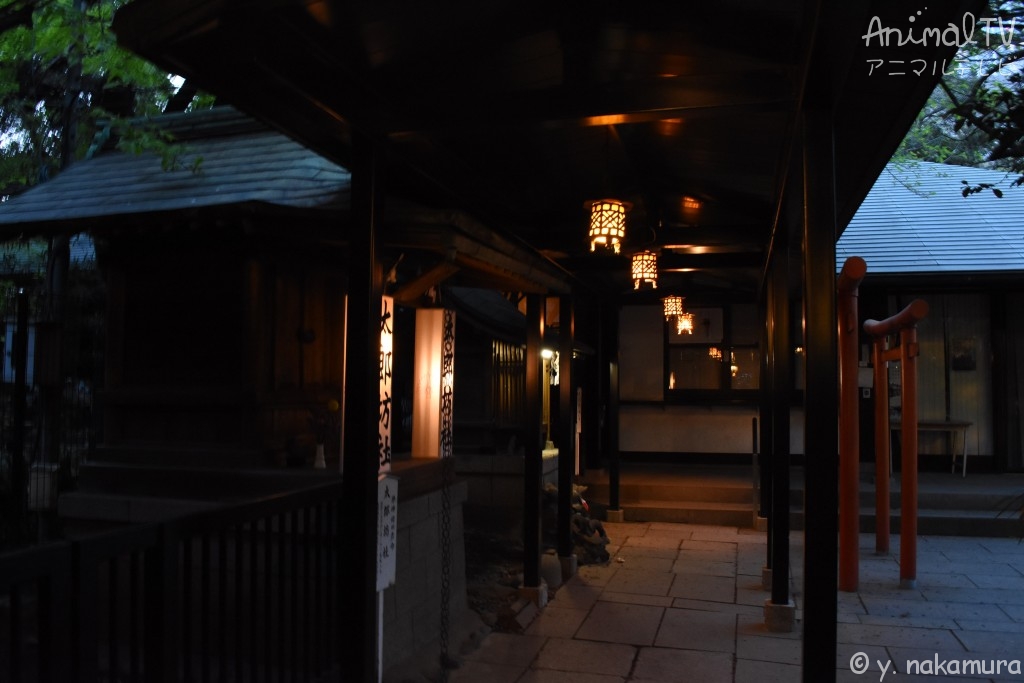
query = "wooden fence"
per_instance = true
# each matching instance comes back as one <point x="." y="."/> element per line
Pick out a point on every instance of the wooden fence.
<point x="243" y="593"/>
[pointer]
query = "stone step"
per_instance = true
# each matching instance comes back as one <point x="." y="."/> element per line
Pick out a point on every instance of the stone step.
<point x="693" y="494"/>
<point x="992" y="501"/>
<point x="683" y="512"/>
<point x="945" y="522"/>
<point x="711" y="492"/>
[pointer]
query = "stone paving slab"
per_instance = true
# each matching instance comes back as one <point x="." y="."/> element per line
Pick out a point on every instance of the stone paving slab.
<point x="669" y="665"/>
<point x="557" y="622"/>
<point x="617" y="622"/>
<point x="685" y="603"/>
<point x="566" y="655"/>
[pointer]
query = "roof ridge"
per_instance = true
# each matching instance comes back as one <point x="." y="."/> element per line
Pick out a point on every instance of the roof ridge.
<point x="221" y="120"/>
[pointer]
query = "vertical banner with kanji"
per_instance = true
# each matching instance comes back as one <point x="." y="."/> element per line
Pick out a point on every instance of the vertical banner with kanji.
<point x="387" y="548"/>
<point x="387" y="529"/>
<point x="387" y="320"/>
<point x="447" y="383"/>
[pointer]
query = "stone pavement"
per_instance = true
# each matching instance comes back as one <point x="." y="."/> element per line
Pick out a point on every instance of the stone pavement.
<point x="681" y="602"/>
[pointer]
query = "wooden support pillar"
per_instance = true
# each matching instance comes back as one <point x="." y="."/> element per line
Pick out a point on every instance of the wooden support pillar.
<point x="357" y="650"/>
<point x="883" y="443"/>
<point x="820" y="397"/>
<point x="908" y="464"/>
<point x="764" y="411"/>
<point x="780" y="610"/>
<point x="533" y="465"/>
<point x="610" y="381"/>
<point x="766" y="455"/>
<point x="613" y="438"/>
<point x="567" y="435"/>
<point x="850" y="278"/>
<point x="19" y="409"/>
<point x="904" y="322"/>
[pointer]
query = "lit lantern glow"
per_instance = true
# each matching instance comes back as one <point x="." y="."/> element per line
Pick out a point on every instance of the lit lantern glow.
<point x="684" y="323"/>
<point x="673" y="306"/>
<point x="645" y="270"/>
<point x="607" y="224"/>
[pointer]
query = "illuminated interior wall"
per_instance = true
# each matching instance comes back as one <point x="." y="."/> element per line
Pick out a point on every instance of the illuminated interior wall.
<point x="433" y="383"/>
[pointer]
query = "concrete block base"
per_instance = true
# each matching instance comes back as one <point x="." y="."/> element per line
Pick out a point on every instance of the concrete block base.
<point x="766" y="578"/>
<point x="538" y="595"/>
<point x="615" y="515"/>
<point x="908" y="584"/>
<point x="779" y="618"/>
<point x="569" y="567"/>
<point x="760" y="523"/>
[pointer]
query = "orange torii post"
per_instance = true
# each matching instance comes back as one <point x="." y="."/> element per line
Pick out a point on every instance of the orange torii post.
<point x="904" y="322"/>
<point x="854" y="270"/>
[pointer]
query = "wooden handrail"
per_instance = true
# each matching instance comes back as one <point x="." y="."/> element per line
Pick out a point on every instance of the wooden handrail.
<point x="916" y="310"/>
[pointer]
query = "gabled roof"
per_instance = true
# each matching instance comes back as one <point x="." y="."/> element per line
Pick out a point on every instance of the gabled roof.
<point x="225" y="159"/>
<point x="243" y="164"/>
<point x="916" y="220"/>
<point x="518" y="114"/>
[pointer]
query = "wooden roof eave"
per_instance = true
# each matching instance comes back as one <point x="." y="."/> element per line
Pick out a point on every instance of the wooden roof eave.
<point x="455" y="237"/>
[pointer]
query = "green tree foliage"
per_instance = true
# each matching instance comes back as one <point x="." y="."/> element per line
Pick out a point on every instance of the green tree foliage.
<point x="67" y="88"/>
<point x="936" y="137"/>
<point x="975" y="116"/>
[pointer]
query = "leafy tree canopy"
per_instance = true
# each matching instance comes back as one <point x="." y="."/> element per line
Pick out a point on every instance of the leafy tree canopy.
<point x="67" y="88"/>
<point x="975" y="116"/>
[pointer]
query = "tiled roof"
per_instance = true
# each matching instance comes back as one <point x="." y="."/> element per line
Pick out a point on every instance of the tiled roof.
<point x="915" y="219"/>
<point x="239" y="165"/>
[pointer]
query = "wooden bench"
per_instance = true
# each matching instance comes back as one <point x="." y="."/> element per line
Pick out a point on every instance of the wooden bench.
<point x="954" y="428"/>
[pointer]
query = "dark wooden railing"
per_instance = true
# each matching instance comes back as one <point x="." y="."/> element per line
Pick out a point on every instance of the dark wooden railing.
<point x="244" y="593"/>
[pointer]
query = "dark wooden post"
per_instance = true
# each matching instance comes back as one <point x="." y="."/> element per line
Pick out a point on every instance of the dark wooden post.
<point x="782" y="392"/>
<point x="908" y="452"/>
<point x="765" y="402"/>
<point x="357" y="651"/>
<point x="162" y="571"/>
<point x="820" y="397"/>
<point x="904" y="322"/>
<point x="533" y="466"/>
<point x="883" y="443"/>
<point x="850" y="278"/>
<point x="612" y="413"/>
<point x="19" y="400"/>
<point x="566" y="446"/>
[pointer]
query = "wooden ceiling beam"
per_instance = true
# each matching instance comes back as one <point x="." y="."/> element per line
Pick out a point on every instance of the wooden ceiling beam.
<point x="411" y="292"/>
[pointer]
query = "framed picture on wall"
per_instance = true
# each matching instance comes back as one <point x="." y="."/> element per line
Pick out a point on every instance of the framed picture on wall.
<point x="963" y="355"/>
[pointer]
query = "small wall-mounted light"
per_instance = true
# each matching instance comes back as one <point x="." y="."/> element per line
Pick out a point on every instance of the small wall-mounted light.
<point x="691" y="204"/>
<point x="607" y="223"/>
<point x="645" y="270"/>
<point x="547" y="354"/>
